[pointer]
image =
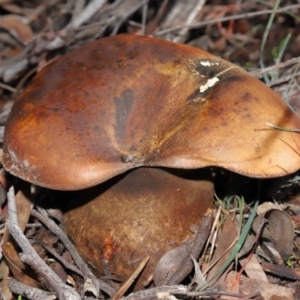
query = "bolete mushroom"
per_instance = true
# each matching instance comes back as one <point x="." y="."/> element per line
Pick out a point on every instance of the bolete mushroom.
<point x="126" y="103"/>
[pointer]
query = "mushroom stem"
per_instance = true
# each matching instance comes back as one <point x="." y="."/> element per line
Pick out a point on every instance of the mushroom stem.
<point x="147" y="211"/>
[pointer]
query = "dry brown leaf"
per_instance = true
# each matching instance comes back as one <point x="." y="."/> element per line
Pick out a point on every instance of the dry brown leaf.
<point x="266" y="206"/>
<point x="17" y="27"/>
<point x="281" y="271"/>
<point x="170" y="263"/>
<point x="17" y="267"/>
<point x="253" y="269"/>
<point x="60" y="271"/>
<point x="249" y="286"/>
<point x="31" y="13"/>
<point x="279" y="230"/>
<point x="198" y="277"/>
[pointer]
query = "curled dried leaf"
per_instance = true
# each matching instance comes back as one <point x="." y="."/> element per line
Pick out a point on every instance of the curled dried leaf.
<point x="279" y="230"/>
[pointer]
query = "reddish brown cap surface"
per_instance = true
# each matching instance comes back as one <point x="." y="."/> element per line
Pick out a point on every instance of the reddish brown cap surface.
<point x="128" y="101"/>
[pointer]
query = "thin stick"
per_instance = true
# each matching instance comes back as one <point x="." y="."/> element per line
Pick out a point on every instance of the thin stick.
<point x="29" y="255"/>
<point x="130" y="280"/>
<point x="229" y="18"/>
<point x="284" y="64"/>
<point x="50" y="224"/>
<point x="193" y="14"/>
<point x="7" y="87"/>
<point x="91" y="8"/>
<point x="66" y="264"/>
<point x="29" y="292"/>
<point x="165" y="292"/>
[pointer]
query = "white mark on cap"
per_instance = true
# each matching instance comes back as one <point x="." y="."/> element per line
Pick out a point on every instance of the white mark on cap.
<point x="210" y="83"/>
<point x="208" y="63"/>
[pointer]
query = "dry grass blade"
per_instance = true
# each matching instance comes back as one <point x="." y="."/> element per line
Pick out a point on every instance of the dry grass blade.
<point x="282" y="128"/>
<point x="130" y="280"/>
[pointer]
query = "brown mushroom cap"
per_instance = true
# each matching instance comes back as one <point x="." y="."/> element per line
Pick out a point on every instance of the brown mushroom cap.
<point x="129" y="101"/>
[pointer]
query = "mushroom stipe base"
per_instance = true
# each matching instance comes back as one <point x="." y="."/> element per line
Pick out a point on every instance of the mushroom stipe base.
<point x="147" y="211"/>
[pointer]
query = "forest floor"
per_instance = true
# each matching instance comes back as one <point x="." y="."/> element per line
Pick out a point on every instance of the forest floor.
<point x="238" y="261"/>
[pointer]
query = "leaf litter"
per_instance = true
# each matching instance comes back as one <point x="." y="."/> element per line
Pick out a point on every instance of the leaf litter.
<point x="33" y="34"/>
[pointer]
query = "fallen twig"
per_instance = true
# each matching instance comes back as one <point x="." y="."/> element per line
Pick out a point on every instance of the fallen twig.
<point x="130" y="280"/>
<point x="29" y="292"/>
<point x="86" y="14"/>
<point x="166" y="292"/>
<point x="66" y="264"/>
<point x="42" y="216"/>
<point x="180" y="38"/>
<point x="29" y="255"/>
<point x="292" y="61"/>
<point x="229" y="18"/>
